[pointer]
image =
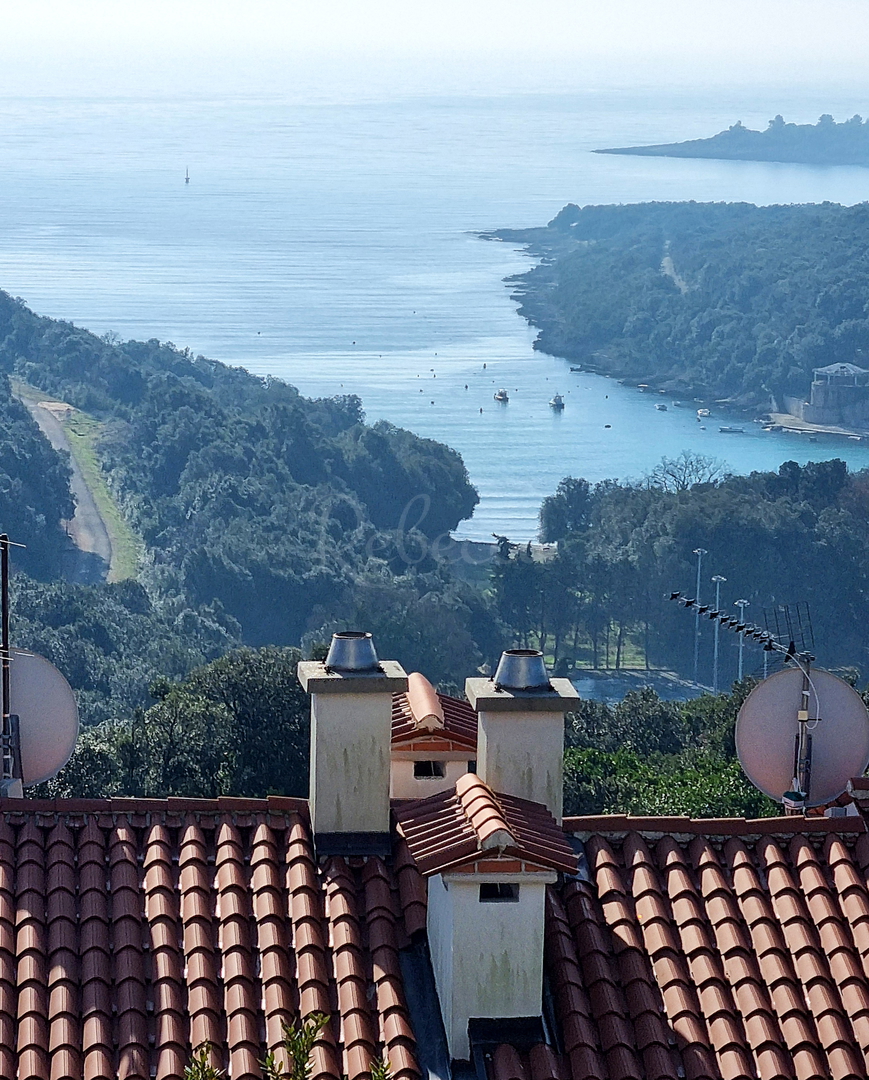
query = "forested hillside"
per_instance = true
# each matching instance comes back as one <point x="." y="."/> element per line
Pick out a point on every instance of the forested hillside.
<point x="34" y="489"/>
<point x="277" y="513"/>
<point x="730" y="300"/>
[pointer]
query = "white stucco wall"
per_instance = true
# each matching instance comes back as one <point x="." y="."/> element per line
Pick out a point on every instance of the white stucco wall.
<point x="487" y="958"/>
<point x="350" y="736"/>
<point x="522" y="754"/>
<point x="404" y="785"/>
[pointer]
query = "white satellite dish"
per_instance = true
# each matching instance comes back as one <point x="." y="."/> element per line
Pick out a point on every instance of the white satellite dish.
<point x="767" y="729"/>
<point x="47" y="715"/>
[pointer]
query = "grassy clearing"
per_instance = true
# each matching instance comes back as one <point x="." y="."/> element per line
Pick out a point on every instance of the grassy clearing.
<point x="83" y="433"/>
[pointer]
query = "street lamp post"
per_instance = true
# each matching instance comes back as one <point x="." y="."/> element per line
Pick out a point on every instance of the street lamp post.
<point x="699" y="552"/>
<point x="742" y="605"/>
<point x="717" y="578"/>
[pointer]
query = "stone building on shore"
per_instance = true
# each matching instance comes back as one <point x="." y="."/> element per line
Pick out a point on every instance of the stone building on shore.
<point x="839" y="397"/>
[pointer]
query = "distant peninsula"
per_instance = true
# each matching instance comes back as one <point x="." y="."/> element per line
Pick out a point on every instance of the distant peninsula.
<point x="824" y="143"/>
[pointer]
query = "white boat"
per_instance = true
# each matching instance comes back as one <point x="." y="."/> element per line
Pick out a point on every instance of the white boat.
<point x="728" y="430"/>
<point x="661" y="407"/>
<point x="556" y="402"/>
<point x="676" y="404"/>
<point x="501" y="395"/>
<point x="703" y="413"/>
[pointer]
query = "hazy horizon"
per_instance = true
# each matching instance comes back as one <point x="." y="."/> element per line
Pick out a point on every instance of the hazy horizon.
<point x="94" y="47"/>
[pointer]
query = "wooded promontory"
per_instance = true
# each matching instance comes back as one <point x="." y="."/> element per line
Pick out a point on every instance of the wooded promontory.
<point x="729" y="300"/>
<point x="824" y="143"/>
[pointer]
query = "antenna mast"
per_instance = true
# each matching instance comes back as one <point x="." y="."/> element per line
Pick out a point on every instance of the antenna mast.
<point x="10" y="743"/>
<point x="796" y="800"/>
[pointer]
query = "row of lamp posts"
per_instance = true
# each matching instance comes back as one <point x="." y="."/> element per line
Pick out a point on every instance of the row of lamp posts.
<point x="741" y="604"/>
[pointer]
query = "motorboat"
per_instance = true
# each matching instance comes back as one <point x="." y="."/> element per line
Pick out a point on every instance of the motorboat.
<point x="702" y="413"/>
<point x="576" y="369"/>
<point x="728" y="430"/>
<point x="661" y="407"/>
<point x="501" y="395"/>
<point x="676" y="404"/>
<point x="556" y="402"/>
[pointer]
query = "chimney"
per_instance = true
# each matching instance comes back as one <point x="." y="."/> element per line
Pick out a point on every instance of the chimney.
<point x="351" y="718"/>
<point x="520" y="745"/>
<point x="489" y="859"/>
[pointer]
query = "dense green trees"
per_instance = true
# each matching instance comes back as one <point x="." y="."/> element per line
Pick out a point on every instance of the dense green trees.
<point x="112" y="641"/>
<point x="801" y="534"/>
<point x="647" y="756"/>
<point x="246" y="494"/>
<point x="34" y="489"/>
<point x="768" y="293"/>
<point x="236" y="726"/>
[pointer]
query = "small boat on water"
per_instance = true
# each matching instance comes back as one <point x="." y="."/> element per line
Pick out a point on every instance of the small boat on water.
<point x="576" y="369"/>
<point x="703" y="413"/>
<point x="501" y="395"/>
<point x="556" y="402"/>
<point x="187" y="177"/>
<point x="661" y="407"/>
<point x="676" y="404"/>
<point x="728" y="430"/>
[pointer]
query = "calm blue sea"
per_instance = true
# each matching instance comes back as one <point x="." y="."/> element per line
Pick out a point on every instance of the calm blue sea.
<point x="332" y="244"/>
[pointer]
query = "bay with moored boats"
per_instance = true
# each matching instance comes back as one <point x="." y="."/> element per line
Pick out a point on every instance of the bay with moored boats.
<point x="335" y="244"/>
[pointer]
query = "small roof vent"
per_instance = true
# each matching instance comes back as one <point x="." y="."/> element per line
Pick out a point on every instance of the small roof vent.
<point x="522" y="669"/>
<point x="352" y="650"/>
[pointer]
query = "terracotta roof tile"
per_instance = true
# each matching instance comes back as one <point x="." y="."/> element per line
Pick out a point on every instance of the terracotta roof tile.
<point x="447" y="721"/>
<point x="129" y="929"/>
<point x="464" y="823"/>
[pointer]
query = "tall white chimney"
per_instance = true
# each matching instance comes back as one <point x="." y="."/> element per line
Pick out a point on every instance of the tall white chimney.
<point x="520" y="742"/>
<point x="351" y="720"/>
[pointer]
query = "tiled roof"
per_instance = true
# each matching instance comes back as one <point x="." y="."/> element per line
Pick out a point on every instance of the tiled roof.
<point x="737" y="952"/>
<point x="133" y="929"/>
<point x="470" y="822"/>
<point x="424" y="715"/>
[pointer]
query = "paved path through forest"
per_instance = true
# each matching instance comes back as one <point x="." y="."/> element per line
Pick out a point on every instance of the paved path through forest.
<point x="87" y="527"/>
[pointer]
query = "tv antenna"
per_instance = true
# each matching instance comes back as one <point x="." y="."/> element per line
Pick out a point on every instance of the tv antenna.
<point x="39" y="722"/>
<point x="800" y="734"/>
<point x="790" y="644"/>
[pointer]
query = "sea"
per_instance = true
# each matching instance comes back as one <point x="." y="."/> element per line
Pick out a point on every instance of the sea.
<point x="334" y="242"/>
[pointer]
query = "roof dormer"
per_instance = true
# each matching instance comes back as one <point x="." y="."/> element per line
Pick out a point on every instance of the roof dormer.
<point x="434" y="740"/>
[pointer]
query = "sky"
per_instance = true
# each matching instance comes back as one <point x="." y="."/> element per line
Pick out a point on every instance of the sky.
<point x="51" y="47"/>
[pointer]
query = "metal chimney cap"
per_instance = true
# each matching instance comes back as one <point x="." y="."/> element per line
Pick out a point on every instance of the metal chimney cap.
<point x="522" y="669"/>
<point x="352" y="650"/>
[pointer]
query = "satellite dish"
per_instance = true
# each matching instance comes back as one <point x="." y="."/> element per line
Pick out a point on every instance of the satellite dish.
<point x="47" y="715"/>
<point x="767" y="729"/>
